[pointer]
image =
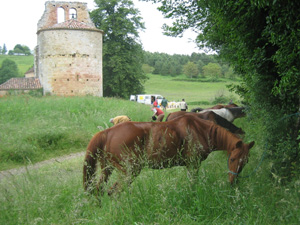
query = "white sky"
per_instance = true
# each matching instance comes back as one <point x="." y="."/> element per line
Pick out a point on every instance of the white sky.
<point x="19" y="18"/>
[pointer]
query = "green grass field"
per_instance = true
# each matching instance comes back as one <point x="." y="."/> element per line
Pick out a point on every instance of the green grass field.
<point x="24" y="62"/>
<point x="53" y="194"/>
<point x="174" y="90"/>
<point x="34" y="129"/>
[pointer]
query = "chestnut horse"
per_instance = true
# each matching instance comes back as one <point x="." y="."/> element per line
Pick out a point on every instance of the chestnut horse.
<point x="130" y="146"/>
<point x="209" y="115"/>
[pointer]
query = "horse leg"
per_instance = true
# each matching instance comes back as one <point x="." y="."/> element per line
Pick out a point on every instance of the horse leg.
<point x="106" y="171"/>
<point x="126" y="178"/>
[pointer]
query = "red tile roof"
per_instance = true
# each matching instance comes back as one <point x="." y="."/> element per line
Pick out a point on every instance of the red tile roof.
<point x="21" y="83"/>
<point x="73" y="24"/>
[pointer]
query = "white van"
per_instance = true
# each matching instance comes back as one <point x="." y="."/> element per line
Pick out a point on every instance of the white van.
<point x="133" y="98"/>
<point x="148" y="99"/>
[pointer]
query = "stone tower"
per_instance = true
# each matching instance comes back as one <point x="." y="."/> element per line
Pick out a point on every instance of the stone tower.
<point x="68" y="55"/>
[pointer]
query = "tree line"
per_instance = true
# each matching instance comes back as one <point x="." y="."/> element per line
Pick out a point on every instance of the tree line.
<point x="18" y="50"/>
<point x="193" y="66"/>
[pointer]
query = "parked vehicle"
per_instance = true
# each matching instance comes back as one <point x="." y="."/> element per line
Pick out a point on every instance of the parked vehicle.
<point x="133" y="98"/>
<point x="147" y="99"/>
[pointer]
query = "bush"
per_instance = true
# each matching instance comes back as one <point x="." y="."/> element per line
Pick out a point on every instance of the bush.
<point x="221" y="98"/>
<point x="8" y="70"/>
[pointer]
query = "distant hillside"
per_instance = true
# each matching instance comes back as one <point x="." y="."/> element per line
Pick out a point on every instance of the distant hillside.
<point x="24" y="62"/>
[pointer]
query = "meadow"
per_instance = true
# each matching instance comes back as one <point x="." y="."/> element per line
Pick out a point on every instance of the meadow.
<point x="38" y="128"/>
<point x="23" y="62"/>
<point x="192" y="90"/>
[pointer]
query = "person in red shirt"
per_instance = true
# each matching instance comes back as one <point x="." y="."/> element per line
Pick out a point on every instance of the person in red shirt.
<point x="159" y="113"/>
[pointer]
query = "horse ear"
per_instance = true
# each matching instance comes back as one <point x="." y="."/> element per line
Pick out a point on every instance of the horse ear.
<point x="239" y="144"/>
<point x="251" y="144"/>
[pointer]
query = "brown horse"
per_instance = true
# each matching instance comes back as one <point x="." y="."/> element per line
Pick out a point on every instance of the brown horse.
<point x="209" y="115"/>
<point x="224" y="106"/>
<point x="181" y="142"/>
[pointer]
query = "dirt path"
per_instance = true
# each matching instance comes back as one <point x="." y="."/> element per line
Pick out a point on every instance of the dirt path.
<point x="6" y="173"/>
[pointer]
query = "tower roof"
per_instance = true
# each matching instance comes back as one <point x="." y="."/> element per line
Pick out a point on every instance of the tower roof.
<point x="72" y="24"/>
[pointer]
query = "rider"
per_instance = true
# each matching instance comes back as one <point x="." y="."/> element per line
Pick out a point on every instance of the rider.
<point x="159" y="113"/>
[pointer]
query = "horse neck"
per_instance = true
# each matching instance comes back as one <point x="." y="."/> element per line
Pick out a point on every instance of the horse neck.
<point x="223" y="139"/>
<point x="228" y="115"/>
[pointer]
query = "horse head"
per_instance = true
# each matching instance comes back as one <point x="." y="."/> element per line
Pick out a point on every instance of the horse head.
<point x="237" y="112"/>
<point x="238" y="159"/>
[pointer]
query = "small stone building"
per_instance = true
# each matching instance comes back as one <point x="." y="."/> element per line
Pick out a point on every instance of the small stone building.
<point x="30" y="73"/>
<point x="68" y="55"/>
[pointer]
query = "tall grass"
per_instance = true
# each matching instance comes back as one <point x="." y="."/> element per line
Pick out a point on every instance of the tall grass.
<point x="34" y="129"/>
<point x="54" y="195"/>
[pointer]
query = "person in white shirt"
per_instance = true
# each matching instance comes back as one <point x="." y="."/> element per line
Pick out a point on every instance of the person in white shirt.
<point x="183" y="106"/>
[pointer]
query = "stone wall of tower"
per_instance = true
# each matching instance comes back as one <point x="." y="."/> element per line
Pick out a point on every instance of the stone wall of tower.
<point x="68" y="61"/>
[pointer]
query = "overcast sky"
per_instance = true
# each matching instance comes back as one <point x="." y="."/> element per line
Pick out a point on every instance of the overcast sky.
<point x="19" y="18"/>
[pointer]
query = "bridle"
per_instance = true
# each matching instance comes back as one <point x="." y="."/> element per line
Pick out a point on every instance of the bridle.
<point x="254" y="171"/>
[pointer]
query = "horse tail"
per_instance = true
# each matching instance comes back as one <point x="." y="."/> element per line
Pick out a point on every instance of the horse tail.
<point x="168" y="117"/>
<point x="93" y="153"/>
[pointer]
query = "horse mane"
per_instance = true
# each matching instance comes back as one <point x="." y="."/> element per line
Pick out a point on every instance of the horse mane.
<point x="222" y="138"/>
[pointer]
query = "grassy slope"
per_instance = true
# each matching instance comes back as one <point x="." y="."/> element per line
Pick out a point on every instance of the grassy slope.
<point x="35" y="129"/>
<point x="24" y="62"/>
<point x="175" y="90"/>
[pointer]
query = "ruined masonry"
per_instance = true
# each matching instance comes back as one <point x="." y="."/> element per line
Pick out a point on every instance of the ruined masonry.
<point x="68" y="55"/>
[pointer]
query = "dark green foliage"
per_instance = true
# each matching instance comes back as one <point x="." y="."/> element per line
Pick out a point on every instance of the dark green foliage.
<point x="8" y="70"/>
<point x="21" y="50"/>
<point x="122" y="51"/>
<point x="3" y="49"/>
<point x="165" y="64"/>
<point x="191" y="70"/>
<point x="261" y="40"/>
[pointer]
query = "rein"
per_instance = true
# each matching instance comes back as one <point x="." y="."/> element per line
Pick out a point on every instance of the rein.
<point x="263" y="155"/>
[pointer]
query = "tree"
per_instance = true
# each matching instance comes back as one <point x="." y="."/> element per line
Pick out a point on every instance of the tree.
<point x="8" y="70"/>
<point x="4" y="49"/>
<point x="212" y="70"/>
<point x="190" y="70"/>
<point x="26" y="50"/>
<point x="147" y="69"/>
<point x="122" y="51"/>
<point x="261" y="40"/>
<point x="200" y="65"/>
<point x="21" y="50"/>
<point x="18" y="49"/>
